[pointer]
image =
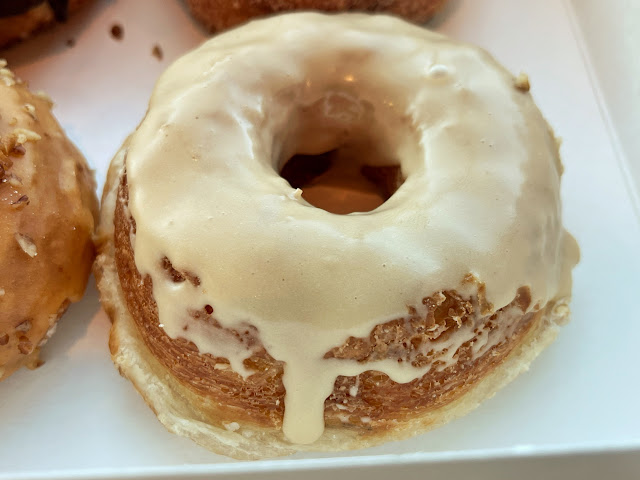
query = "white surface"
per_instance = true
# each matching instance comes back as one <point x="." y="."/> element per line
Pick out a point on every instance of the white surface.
<point x="611" y="34"/>
<point x="76" y="415"/>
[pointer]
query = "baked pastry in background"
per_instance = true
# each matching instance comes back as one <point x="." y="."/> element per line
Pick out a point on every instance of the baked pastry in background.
<point x="217" y="15"/>
<point x="48" y="208"/>
<point x="21" y="18"/>
<point x="258" y="323"/>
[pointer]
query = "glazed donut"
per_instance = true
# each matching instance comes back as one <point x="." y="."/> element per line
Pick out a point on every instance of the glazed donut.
<point x="259" y="324"/>
<point x="19" y="19"/>
<point x="217" y="15"/>
<point x="48" y="209"/>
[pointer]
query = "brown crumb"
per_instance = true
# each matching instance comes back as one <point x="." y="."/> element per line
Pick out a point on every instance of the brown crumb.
<point x="117" y="31"/>
<point x="35" y="364"/>
<point x="18" y="151"/>
<point x="157" y="52"/>
<point x="522" y="82"/>
<point x="25" y="346"/>
<point x="23" y="201"/>
<point x="24" y="326"/>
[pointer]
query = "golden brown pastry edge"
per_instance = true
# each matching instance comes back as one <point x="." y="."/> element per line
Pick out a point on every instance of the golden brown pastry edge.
<point x="218" y="15"/>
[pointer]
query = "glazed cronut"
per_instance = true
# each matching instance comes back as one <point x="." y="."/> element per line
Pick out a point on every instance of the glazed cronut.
<point x="461" y="338"/>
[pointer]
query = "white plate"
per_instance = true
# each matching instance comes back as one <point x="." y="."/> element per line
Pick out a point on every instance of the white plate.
<point x="77" y="417"/>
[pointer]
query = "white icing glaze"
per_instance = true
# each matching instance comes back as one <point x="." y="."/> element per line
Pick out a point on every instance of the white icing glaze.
<point x="481" y="193"/>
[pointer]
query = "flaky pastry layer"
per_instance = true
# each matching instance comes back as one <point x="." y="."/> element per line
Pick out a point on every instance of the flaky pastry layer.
<point x="199" y="396"/>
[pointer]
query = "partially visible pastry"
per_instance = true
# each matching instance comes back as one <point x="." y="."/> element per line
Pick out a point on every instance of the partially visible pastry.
<point x="47" y="213"/>
<point x="19" y="19"/>
<point x="217" y="15"/>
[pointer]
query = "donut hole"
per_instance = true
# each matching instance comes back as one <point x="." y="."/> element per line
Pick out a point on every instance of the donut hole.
<point x="339" y="184"/>
<point x="347" y="150"/>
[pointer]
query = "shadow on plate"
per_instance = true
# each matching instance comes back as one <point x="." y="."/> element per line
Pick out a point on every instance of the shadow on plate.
<point x="74" y="327"/>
